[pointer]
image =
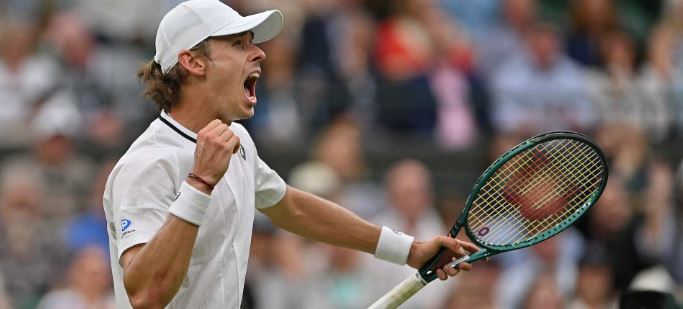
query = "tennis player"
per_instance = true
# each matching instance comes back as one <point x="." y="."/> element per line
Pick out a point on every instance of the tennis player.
<point x="180" y="203"/>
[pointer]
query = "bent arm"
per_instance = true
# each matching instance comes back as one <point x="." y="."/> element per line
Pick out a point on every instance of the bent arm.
<point x="313" y="217"/>
<point x="153" y="272"/>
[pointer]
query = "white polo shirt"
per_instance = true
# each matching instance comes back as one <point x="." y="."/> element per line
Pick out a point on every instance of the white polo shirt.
<point x="144" y="184"/>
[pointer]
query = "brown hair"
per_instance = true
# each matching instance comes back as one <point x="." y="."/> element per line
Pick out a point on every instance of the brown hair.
<point x="164" y="89"/>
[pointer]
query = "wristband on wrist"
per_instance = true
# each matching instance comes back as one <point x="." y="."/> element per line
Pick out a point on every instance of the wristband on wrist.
<point x="200" y="179"/>
<point x="190" y="205"/>
<point x="393" y="246"/>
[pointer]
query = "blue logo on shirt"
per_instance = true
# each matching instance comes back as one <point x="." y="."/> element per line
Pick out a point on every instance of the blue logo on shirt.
<point x="125" y="224"/>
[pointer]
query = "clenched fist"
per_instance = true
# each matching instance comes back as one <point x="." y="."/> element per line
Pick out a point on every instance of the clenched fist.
<point x="216" y="143"/>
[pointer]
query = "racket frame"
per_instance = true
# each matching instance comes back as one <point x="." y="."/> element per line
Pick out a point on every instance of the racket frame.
<point x="428" y="271"/>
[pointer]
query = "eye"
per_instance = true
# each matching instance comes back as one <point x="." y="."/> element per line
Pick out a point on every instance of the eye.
<point x="239" y="43"/>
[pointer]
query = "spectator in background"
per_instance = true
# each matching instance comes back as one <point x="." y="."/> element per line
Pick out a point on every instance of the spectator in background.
<point x="277" y="277"/>
<point x="424" y="63"/>
<point x="660" y="237"/>
<point x="31" y="248"/>
<point x="335" y="276"/>
<point x="88" y="284"/>
<point x="339" y="147"/>
<point x="335" y="78"/>
<point x="409" y="190"/>
<point x="594" y="287"/>
<point x="123" y="21"/>
<point x="612" y="226"/>
<point x="541" y="90"/>
<point x="474" y="16"/>
<point x="614" y="91"/>
<point x="590" y="20"/>
<point x="452" y="61"/>
<point x="661" y="82"/>
<point x="504" y="40"/>
<point x="90" y="227"/>
<point x="626" y="149"/>
<point x="278" y="117"/>
<point x="342" y="283"/>
<point x="544" y="294"/>
<point x="64" y="174"/>
<point x="98" y="77"/>
<point x="317" y="178"/>
<point x="475" y="289"/>
<point x="403" y="55"/>
<point x="658" y="82"/>
<point x="670" y="64"/>
<point x="27" y="79"/>
<point x="4" y="298"/>
<point x="554" y="259"/>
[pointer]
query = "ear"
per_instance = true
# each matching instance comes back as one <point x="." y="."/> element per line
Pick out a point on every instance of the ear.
<point x="193" y="64"/>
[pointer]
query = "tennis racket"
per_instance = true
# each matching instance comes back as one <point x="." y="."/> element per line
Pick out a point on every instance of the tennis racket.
<point x="531" y="193"/>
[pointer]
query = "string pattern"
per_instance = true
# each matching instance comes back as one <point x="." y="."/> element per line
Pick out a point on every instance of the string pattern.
<point x="535" y="191"/>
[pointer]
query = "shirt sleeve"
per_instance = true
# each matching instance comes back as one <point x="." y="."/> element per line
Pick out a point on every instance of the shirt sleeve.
<point x="142" y="197"/>
<point x="270" y="188"/>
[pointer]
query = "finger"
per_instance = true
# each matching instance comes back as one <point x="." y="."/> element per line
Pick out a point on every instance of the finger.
<point x="450" y="270"/>
<point x="234" y="142"/>
<point x="441" y="274"/>
<point x="469" y="247"/>
<point x="454" y="246"/>
<point x="219" y="129"/>
<point x="465" y="266"/>
<point x="225" y="135"/>
<point x="212" y="125"/>
<point x="206" y="131"/>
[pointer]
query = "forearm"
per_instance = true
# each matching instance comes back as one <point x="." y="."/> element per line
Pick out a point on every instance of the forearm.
<point x="313" y="217"/>
<point x="153" y="272"/>
<point x="154" y="275"/>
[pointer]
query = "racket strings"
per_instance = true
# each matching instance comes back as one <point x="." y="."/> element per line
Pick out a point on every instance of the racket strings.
<point x="569" y="174"/>
<point x="493" y="196"/>
<point x="532" y="229"/>
<point x="517" y="225"/>
<point x="539" y="226"/>
<point x="543" y="176"/>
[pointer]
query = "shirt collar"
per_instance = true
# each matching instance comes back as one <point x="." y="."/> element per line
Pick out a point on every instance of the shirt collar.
<point x="180" y="129"/>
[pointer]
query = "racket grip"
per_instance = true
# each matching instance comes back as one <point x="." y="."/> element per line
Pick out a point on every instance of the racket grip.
<point x="400" y="293"/>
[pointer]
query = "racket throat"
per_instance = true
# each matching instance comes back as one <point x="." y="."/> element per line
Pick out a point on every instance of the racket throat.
<point x="457" y="262"/>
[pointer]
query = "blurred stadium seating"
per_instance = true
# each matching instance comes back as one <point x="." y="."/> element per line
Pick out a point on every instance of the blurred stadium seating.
<point x="350" y="90"/>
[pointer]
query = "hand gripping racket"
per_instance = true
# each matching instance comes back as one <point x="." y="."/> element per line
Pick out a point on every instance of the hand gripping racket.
<point x="531" y="193"/>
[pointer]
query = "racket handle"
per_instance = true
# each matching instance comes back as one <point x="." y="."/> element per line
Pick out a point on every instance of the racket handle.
<point x="400" y="293"/>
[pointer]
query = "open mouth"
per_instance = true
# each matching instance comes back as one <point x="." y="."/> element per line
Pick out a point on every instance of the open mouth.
<point x="250" y="86"/>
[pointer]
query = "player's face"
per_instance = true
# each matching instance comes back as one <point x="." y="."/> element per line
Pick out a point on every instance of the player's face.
<point x="233" y="74"/>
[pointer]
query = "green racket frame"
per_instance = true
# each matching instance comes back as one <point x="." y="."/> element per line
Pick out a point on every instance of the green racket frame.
<point x="428" y="271"/>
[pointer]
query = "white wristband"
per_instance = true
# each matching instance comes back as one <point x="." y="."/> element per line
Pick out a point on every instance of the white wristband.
<point x="393" y="246"/>
<point x="191" y="204"/>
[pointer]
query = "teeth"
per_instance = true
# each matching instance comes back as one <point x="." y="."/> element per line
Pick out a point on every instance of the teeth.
<point x="254" y="75"/>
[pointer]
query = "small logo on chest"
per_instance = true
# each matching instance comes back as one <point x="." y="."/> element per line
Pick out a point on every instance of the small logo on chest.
<point x="243" y="153"/>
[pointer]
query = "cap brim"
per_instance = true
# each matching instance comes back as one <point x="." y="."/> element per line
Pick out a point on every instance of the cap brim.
<point x="265" y="26"/>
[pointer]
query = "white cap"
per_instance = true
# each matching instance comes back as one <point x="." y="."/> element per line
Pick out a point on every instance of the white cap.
<point x="193" y="21"/>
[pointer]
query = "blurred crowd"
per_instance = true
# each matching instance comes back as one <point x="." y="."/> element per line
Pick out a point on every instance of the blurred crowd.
<point x="359" y="85"/>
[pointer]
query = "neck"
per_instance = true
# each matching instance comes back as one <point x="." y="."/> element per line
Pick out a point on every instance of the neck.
<point x="192" y="112"/>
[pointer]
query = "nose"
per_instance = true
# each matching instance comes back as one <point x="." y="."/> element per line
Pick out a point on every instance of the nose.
<point x="258" y="55"/>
